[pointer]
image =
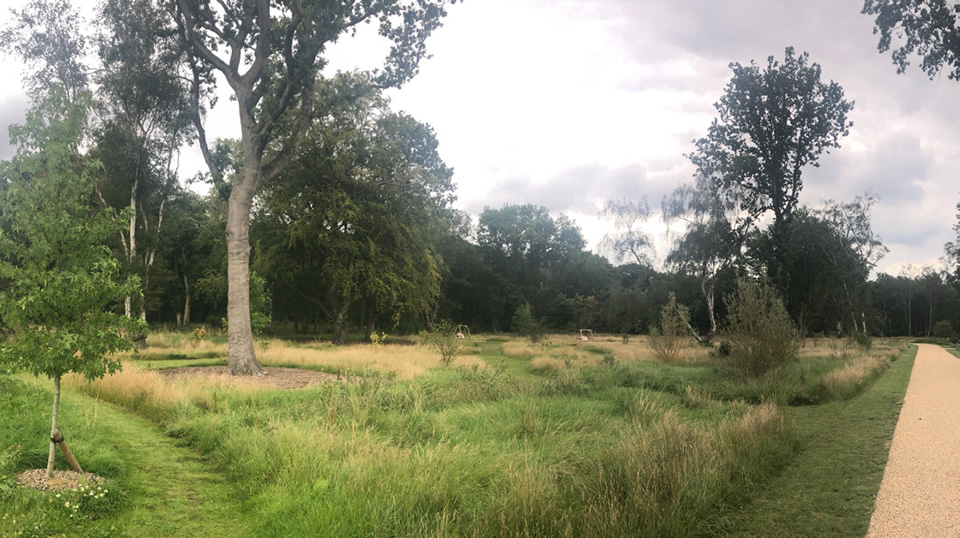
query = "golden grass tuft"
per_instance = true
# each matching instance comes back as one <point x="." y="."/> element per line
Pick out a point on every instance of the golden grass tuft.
<point x="405" y="362"/>
<point x="547" y="365"/>
<point x="147" y="390"/>
<point x="519" y="348"/>
<point x="844" y="382"/>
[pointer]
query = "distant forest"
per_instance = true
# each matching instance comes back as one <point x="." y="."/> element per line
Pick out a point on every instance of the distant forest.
<point x="343" y="207"/>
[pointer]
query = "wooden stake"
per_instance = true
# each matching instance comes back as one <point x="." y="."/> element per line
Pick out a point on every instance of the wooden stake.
<point x="58" y="438"/>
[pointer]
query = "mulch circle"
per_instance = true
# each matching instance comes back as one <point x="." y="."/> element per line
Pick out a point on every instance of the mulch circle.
<point x="37" y="479"/>
<point x="281" y="378"/>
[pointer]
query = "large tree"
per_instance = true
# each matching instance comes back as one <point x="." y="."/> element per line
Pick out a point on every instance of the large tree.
<point x="271" y="53"/>
<point x="354" y="219"/>
<point x="773" y="122"/>
<point x="716" y="227"/>
<point x="852" y="244"/>
<point x="927" y="28"/>
<point x="952" y="249"/>
<point x="145" y="119"/>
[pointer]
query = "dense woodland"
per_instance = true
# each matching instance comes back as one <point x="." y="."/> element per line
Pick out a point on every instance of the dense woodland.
<point x="357" y="232"/>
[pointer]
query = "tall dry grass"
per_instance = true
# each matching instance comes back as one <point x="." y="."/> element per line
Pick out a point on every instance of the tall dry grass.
<point x="403" y="362"/>
<point x="663" y="480"/>
<point x="638" y="349"/>
<point x="846" y="381"/>
<point x="149" y="393"/>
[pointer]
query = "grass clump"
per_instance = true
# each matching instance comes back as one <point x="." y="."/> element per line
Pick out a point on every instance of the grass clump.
<point x="845" y="382"/>
<point x="762" y="337"/>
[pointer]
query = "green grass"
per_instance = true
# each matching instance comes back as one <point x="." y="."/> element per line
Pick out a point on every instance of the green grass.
<point x="830" y="487"/>
<point x="156" y="487"/>
<point x="635" y="449"/>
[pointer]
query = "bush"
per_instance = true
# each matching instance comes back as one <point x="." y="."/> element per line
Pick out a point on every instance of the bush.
<point x="943" y="329"/>
<point x="861" y="340"/>
<point x="444" y="340"/>
<point x="526" y="325"/>
<point x="667" y="340"/>
<point x="762" y="337"/>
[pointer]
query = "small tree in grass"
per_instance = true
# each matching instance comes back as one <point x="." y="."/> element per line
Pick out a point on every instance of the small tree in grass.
<point x="443" y="339"/>
<point x="667" y="339"/>
<point x="761" y="335"/>
<point x="58" y="278"/>
<point x="527" y="325"/>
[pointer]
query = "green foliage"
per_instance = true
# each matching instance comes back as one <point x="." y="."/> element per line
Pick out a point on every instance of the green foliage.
<point x="762" y="337"/>
<point x="443" y="339"/>
<point x="667" y="339"/>
<point x="943" y="329"/>
<point x="927" y="28"/>
<point x="526" y="325"/>
<point x="213" y="287"/>
<point x="60" y="280"/>
<point x="861" y="340"/>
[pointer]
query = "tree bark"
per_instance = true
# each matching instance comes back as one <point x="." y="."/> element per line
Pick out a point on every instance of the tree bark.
<point x="186" y="301"/>
<point x="242" y="357"/>
<point x="132" y="249"/>
<point x="708" y="295"/>
<point x="54" y="426"/>
<point x="340" y="323"/>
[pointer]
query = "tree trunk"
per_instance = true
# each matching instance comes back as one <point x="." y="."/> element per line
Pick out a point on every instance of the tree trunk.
<point x="708" y="295"/>
<point x="186" y="301"/>
<point x="340" y="324"/>
<point x="54" y="426"/>
<point x="242" y="358"/>
<point x="132" y="249"/>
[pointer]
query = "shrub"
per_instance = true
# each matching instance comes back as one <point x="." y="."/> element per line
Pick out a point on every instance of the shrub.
<point x="526" y="325"/>
<point x="667" y="340"/>
<point x="444" y="340"/>
<point x="861" y="340"/>
<point x="943" y="329"/>
<point x="762" y="337"/>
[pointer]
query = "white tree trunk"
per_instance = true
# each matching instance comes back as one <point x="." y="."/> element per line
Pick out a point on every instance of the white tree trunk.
<point x="186" y="301"/>
<point x="132" y="249"/>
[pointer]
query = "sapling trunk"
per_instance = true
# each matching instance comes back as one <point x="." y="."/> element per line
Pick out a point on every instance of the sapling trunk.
<point x="54" y="428"/>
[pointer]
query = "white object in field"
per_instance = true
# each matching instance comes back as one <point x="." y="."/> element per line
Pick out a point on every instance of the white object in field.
<point x="585" y="335"/>
<point x="463" y="331"/>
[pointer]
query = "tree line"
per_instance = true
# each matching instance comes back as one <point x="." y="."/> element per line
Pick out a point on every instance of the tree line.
<point x="333" y="214"/>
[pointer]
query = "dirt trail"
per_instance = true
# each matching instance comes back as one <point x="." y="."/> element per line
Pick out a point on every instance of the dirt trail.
<point x="920" y="492"/>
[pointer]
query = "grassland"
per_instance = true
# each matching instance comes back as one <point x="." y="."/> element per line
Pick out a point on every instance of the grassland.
<point x="515" y="439"/>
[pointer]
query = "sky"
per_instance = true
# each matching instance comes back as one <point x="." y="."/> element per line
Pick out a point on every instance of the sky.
<point x="566" y="104"/>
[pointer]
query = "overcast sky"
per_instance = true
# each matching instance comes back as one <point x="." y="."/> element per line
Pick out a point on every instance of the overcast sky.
<point x="569" y="103"/>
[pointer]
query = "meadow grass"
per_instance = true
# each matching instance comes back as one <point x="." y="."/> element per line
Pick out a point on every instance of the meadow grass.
<point x="482" y="448"/>
<point x="553" y="439"/>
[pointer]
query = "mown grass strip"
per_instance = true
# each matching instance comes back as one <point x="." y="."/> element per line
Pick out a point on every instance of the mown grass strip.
<point x="830" y="487"/>
<point x="157" y="487"/>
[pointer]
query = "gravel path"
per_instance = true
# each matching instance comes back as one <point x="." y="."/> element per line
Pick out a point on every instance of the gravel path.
<point x="920" y="492"/>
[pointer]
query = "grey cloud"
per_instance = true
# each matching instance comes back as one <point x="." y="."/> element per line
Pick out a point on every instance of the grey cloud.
<point x="910" y="229"/>
<point x="581" y="190"/>
<point x="895" y="169"/>
<point x="12" y="110"/>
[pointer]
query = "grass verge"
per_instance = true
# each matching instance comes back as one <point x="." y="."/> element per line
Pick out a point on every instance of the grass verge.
<point x="830" y="487"/>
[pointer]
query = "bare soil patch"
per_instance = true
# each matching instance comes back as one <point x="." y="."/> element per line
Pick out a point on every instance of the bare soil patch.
<point x="280" y="378"/>
<point x="37" y="479"/>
